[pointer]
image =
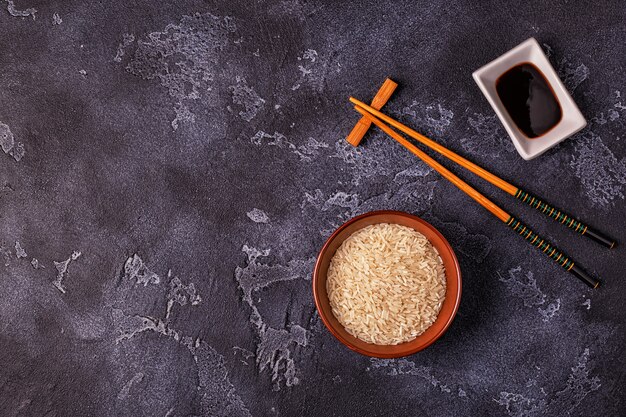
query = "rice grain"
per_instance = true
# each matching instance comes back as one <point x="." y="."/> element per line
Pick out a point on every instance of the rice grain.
<point x="386" y="284"/>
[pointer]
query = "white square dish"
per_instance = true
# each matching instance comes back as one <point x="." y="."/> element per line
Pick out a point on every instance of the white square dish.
<point x="572" y="119"/>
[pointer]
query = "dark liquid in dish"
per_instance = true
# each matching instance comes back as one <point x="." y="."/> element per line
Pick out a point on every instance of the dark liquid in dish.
<point x="529" y="100"/>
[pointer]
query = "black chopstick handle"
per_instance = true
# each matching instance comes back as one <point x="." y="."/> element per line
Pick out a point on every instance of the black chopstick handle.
<point x="585" y="277"/>
<point x="599" y="237"/>
<point x="544" y="246"/>
<point x="564" y="218"/>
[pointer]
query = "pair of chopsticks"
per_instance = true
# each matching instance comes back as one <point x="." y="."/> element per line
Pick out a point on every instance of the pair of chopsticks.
<point x="382" y="120"/>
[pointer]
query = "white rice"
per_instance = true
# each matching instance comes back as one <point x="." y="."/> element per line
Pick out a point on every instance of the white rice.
<point x="386" y="284"/>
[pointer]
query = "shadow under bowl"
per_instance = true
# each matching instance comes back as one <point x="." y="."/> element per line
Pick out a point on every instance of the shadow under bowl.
<point x="448" y="309"/>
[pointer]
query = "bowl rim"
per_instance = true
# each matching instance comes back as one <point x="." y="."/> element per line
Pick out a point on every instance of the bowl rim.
<point x="347" y="343"/>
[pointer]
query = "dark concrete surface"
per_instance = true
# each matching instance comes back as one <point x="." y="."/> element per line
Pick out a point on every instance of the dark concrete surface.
<point x="170" y="170"/>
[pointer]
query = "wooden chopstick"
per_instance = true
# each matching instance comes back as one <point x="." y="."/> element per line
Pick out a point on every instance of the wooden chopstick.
<point x="517" y="192"/>
<point x="558" y="256"/>
<point x="379" y="100"/>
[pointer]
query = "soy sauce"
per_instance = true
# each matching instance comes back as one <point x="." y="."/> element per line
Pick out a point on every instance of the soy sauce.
<point x="529" y="99"/>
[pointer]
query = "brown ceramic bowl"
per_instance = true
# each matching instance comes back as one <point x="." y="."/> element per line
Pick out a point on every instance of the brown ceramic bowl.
<point x="450" y="303"/>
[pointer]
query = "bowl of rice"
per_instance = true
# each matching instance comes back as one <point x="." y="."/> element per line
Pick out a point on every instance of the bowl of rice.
<point x="387" y="284"/>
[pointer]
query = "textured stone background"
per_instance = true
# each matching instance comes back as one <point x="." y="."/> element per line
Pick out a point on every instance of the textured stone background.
<point x="170" y="170"/>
